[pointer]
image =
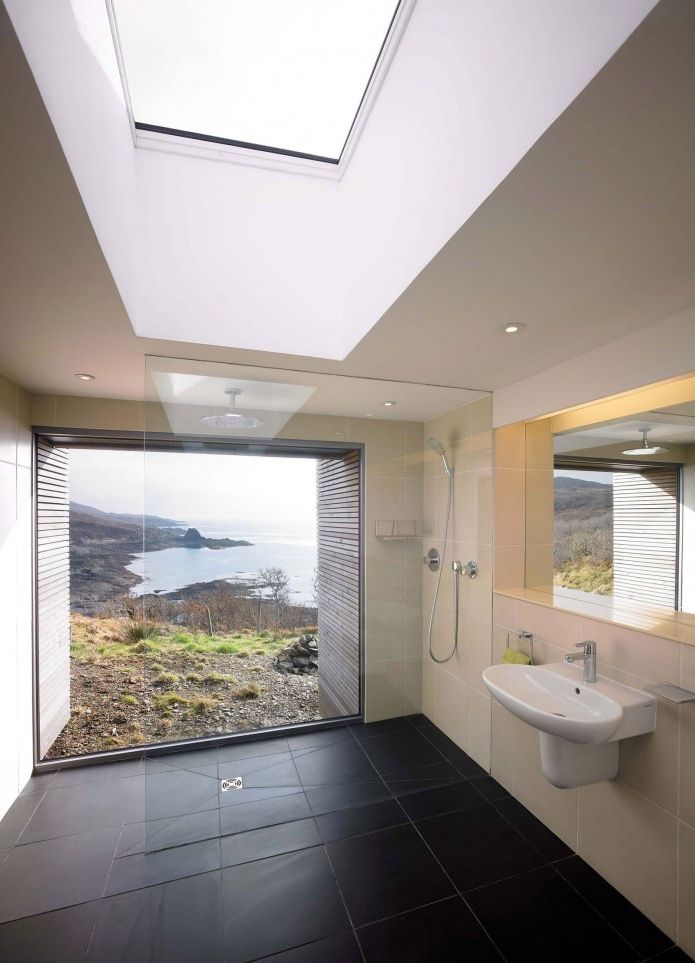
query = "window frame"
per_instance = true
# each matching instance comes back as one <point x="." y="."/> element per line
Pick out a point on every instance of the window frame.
<point x="152" y="137"/>
<point x="217" y="444"/>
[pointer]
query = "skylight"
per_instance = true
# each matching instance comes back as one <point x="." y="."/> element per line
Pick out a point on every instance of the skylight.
<point x="282" y="76"/>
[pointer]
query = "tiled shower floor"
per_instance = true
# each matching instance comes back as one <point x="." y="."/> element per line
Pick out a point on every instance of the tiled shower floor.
<point x="379" y="842"/>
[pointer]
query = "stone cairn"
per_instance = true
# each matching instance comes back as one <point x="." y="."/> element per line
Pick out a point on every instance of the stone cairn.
<point x="299" y="658"/>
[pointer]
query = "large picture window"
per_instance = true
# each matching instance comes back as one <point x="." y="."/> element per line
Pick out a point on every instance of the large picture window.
<point x="193" y="590"/>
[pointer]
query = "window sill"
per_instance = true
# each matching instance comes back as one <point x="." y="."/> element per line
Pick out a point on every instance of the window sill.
<point x="676" y="626"/>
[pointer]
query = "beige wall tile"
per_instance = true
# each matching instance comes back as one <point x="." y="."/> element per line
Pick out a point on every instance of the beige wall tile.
<point x="686" y="762"/>
<point x="412" y="686"/>
<point x="429" y="689"/>
<point x="686" y="889"/>
<point x="560" y="629"/>
<point x="452" y="706"/>
<point x="510" y="486"/>
<point x="557" y="808"/>
<point x="510" y="565"/>
<point x="539" y="444"/>
<point x="478" y="649"/>
<point x="539" y="567"/>
<point x="384" y="445"/>
<point x="635" y="652"/>
<point x="384" y="629"/>
<point x="479" y="728"/>
<point x="485" y="501"/>
<point x="24" y="436"/>
<point x="502" y="745"/>
<point x="631" y="842"/>
<point x="504" y="611"/>
<point x="540" y="517"/>
<point x="384" y="690"/>
<point x="510" y="446"/>
<point x="8" y="421"/>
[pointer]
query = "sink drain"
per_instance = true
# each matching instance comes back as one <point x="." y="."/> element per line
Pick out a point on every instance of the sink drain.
<point x="236" y="783"/>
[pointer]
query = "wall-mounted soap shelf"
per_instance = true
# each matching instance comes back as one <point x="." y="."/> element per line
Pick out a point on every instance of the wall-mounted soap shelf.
<point x="674" y="693"/>
<point x="389" y="529"/>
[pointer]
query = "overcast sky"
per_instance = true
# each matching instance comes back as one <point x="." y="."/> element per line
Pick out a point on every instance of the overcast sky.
<point x="188" y="486"/>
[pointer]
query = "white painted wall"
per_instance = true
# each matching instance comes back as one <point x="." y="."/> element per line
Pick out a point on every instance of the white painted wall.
<point x="688" y="534"/>
<point x="15" y="594"/>
<point x="656" y="353"/>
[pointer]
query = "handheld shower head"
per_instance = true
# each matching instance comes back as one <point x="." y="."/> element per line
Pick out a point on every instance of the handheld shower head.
<point x="436" y="445"/>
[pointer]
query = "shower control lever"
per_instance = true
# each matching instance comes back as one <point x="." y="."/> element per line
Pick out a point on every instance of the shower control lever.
<point x="470" y="568"/>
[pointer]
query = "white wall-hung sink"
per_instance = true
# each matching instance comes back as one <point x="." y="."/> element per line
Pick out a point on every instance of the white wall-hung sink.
<point x="580" y="724"/>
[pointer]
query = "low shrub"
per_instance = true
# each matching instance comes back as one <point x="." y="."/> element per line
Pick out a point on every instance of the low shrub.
<point x="166" y="678"/>
<point x="201" y="705"/>
<point x="136" y="630"/>
<point x="249" y="691"/>
<point x="128" y="700"/>
<point x="194" y="677"/>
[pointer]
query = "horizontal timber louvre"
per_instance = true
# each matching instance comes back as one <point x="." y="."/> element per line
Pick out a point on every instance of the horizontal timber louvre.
<point x="52" y="591"/>
<point x="338" y="570"/>
<point x="646" y="535"/>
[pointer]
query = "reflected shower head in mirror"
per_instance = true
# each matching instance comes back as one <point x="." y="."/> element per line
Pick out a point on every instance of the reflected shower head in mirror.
<point x="436" y="445"/>
<point x="231" y="420"/>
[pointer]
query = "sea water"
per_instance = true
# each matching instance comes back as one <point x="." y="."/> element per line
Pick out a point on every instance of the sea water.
<point x="275" y="544"/>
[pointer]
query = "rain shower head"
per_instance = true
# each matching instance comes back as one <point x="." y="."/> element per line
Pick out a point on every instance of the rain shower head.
<point x="436" y="445"/>
<point x="645" y="448"/>
<point x="231" y="419"/>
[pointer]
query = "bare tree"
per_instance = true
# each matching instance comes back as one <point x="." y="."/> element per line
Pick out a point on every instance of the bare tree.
<point x="277" y="581"/>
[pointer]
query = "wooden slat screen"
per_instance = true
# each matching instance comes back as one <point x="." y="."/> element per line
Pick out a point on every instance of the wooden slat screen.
<point x="52" y="590"/>
<point x="645" y="536"/>
<point x="338" y="503"/>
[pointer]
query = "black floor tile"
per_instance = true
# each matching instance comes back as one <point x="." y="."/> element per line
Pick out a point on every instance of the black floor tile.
<point x="328" y="799"/>
<point x="341" y="948"/>
<point x="632" y="925"/>
<point x="263" y="772"/>
<point x="478" y="846"/>
<point x="320" y="738"/>
<point x="278" y="903"/>
<point x="385" y="873"/>
<point x="490" y="789"/>
<point x="164" y="833"/>
<point x="61" y="935"/>
<point x="333" y="765"/>
<point x="17" y="816"/>
<point x="39" y="782"/>
<point x="69" y="810"/>
<point x="55" y="873"/>
<point x="250" y="749"/>
<point x="443" y="931"/>
<point x="243" y="797"/>
<point x="549" y="921"/>
<point x="193" y="760"/>
<point x="422" y="778"/>
<point x="468" y="767"/>
<point x="359" y="820"/>
<point x="443" y="743"/>
<point x="4" y="853"/>
<point x="395" y="751"/>
<point x="541" y="838"/>
<point x="263" y="812"/>
<point x="173" y="792"/>
<point x="673" y="955"/>
<point x="271" y="841"/>
<point x="149" y="869"/>
<point x="101" y="772"/>
<point x="180" y="922"/>
<point x="434" y="802"/>
<point x="365" y="730"/>
<point x="418" y="720"/>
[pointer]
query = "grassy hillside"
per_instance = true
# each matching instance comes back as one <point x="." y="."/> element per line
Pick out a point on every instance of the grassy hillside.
<point x="584" y="535"/>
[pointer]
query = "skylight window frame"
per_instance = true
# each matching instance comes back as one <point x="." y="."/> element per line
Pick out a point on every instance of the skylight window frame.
<point x="209" y="147"/>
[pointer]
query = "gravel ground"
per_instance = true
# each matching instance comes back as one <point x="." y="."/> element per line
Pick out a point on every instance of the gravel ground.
<point x="118" y="704"/>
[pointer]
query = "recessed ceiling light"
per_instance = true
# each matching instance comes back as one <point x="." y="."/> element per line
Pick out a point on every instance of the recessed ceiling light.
<point x="81" y="376"/>
<point x="390" y="404"/>
<point x="513" y="327"/>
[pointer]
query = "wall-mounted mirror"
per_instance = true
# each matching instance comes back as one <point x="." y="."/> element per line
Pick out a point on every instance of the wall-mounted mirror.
<point x="610" y="507"/>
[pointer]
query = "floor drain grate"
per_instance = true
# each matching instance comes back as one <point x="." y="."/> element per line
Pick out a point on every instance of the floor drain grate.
<point x="236" y="783"/>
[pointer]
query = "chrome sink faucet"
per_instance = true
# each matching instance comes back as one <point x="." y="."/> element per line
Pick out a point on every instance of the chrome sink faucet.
<point x="587" y="656"/>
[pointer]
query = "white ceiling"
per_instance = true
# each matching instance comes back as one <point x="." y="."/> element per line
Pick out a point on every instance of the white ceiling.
<point x="589" y="237"/>
<point x="223" y="254"/>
